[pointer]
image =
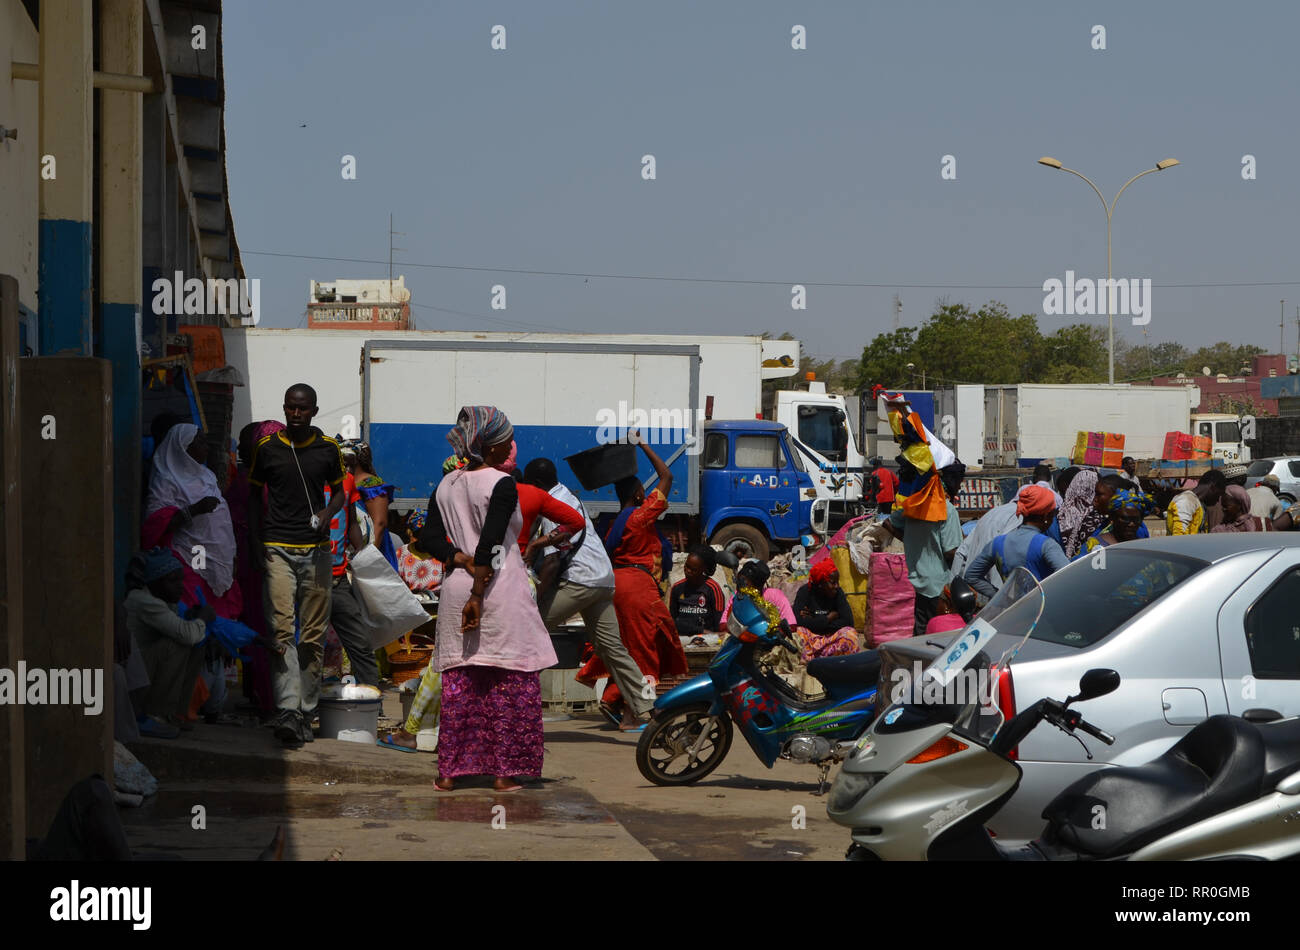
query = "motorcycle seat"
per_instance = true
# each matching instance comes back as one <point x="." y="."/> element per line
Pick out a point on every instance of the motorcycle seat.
<point x="851" y="669"/>
<point x="1115" y="811"/>
<point x="1281" y="750"/>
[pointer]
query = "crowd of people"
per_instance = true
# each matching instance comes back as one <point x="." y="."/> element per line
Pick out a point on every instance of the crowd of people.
<point x="512" y="555"/>
<point x="508" y="549"/>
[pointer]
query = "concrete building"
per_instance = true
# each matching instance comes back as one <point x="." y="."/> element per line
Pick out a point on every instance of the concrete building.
<point x="112" y="180"/>
<point x="359" y="304"/>
<point x="1223" y="393"/>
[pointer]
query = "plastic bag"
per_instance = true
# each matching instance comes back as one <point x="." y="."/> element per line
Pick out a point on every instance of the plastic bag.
<point x="388" y="608"/>
<point x="891" y="597"/>
<point x="231" y="634"/>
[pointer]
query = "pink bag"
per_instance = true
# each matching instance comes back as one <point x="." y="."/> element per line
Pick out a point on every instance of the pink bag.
<point x="892" y="599"/>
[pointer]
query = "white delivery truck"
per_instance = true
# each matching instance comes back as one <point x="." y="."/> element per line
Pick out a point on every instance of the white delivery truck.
<point x="732" y="370"/>
<point x="1016" y="426"/>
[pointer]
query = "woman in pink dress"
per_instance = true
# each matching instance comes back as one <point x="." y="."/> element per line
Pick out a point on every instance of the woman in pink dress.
<point x="491" y="644"/>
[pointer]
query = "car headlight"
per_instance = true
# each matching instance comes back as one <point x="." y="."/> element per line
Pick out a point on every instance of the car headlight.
<point x="848" y="789"/>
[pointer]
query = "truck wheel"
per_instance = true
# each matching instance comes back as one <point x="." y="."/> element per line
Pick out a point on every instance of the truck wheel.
<point x="742" y="540"/>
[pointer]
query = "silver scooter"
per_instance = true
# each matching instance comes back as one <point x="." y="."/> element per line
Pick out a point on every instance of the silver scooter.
<point x="934" y="767"/>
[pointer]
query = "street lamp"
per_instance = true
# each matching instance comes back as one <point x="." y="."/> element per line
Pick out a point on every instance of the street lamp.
<point x="1110" y="210"/>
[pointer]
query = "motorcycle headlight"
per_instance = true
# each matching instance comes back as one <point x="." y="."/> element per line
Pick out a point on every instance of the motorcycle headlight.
<point x="849" y="788"/>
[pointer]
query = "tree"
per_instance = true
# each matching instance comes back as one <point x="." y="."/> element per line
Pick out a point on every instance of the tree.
<point x="1222" y="357"/>
<point x="884" y="360"/>
<point x="1073" y="354"/>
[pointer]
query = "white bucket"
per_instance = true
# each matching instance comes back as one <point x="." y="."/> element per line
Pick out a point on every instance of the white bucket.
<point x="350" y="720"/>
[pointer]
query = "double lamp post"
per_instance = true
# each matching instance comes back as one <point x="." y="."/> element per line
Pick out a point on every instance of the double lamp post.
<point x="1110" y="210"/>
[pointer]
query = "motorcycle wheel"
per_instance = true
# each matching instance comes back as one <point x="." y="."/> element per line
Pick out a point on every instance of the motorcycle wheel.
<point x="663" y="752"/>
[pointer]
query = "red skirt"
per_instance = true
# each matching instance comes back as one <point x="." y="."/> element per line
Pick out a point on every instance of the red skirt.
<point x="646" y="629"/>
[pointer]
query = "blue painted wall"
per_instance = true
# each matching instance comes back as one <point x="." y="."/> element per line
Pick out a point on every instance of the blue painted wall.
<point x="117" y="345"/>
<point x="63" y="272"/>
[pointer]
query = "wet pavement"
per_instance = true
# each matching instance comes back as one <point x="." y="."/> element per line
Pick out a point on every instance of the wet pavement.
<point x="225" y="790"/>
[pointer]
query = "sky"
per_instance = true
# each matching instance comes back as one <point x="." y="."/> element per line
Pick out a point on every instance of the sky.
<point x="773" y="166"/>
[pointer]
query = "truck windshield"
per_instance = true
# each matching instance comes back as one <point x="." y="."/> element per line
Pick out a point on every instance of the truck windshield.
<point x="821" y="428"/>
<point x="1086" y="604"/>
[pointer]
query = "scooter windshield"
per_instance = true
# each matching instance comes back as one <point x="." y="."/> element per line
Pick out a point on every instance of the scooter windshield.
<point x="1015" y="609"/>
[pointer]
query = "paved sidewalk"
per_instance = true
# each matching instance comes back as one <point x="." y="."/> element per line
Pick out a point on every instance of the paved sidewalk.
<point x="376" y="803"/>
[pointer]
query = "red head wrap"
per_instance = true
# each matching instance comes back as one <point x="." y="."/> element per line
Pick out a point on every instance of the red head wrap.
<point x="821" y="570"/>
<point x="1035" y="500"/>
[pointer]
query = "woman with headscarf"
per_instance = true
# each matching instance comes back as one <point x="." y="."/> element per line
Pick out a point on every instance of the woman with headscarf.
<point x="825" y="618"/>
<point x="1078" y="518"/>
<point x="186" y="512"/>
<point x="1128" y="507"/>
<point x="1236" y="513"/>
<point x="491" y="643"/>
<point x="1028" y="546"/>
<point x="371" y="493"/>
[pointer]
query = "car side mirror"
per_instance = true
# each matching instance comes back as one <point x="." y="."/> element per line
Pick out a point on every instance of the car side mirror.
<point x="1095" y="683"/>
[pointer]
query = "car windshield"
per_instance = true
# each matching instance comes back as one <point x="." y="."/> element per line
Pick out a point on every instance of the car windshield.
<point x="1094" y="597"/>
<point x="1260" y="467"/>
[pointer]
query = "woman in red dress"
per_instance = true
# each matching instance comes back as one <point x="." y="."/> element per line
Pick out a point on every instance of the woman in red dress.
<point x="637" y="552"/>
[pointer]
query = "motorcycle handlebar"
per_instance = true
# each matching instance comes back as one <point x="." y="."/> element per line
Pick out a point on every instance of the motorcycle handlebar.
<point x="1096" y="733"/>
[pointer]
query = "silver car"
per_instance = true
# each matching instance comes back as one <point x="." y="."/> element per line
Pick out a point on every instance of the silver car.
<point x="1195" y="626"/>
<point x="1287" y="470"/>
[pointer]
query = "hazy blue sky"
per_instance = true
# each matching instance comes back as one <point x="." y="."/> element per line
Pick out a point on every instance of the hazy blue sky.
<point x="819" y="166"/>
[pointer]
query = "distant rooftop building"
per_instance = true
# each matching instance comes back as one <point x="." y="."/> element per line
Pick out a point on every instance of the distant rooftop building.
<point x="359" y="304"/>
<point x="1240" y="392"/>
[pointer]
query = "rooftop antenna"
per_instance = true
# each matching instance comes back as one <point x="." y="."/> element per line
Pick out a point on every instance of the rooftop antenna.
<point x="1281" y="318"/>
<point x="898" y="311"/>
<point x="391" y="232"/>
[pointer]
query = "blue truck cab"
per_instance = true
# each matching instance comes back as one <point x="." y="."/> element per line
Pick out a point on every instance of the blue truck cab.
<point x="754" y="490"/>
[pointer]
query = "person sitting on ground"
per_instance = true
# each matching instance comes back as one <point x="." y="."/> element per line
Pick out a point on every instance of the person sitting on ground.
<point x="1264" y="500"/>
<point x="1236" y="513"/>
<point x="1028" y="546"/>
<point x="1128" y="508"/>
<point x="696" y="601"/>
<point x="1186" y="512"/>
<point x="754" y="575"/>
<point x="825" y="618"/>
<point x="170" y="645"/>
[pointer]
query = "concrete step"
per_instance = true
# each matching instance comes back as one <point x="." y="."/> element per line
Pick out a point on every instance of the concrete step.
<point x="234" y="753"/>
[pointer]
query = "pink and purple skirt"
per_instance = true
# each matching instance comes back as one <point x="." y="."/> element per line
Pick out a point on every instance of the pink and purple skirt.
<point x="491" y="723"/>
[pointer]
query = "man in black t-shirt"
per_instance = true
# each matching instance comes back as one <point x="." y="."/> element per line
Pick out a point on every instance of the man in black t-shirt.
<point x="290" y="545"/>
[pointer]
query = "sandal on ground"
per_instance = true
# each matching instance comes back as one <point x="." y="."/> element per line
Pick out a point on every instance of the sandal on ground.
<point x="388" y="743"/>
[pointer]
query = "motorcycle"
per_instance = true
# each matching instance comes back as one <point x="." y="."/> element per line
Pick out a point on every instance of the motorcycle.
<point x="923" y="780"/>
<point x="692" y="725"/>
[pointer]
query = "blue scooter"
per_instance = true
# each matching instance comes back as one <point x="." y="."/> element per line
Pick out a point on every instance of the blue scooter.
<point x="691" y="729"/>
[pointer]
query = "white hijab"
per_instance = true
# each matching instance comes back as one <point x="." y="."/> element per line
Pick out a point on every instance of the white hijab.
<point x="178" y="481"/>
